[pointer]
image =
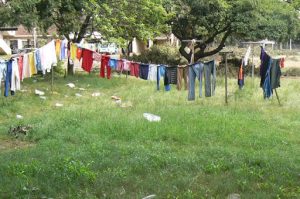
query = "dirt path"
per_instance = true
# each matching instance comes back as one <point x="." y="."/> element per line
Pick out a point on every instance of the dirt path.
<point x="13" y="144"/>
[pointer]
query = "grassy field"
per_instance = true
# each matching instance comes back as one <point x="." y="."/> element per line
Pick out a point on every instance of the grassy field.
<point x="94" y="148"/>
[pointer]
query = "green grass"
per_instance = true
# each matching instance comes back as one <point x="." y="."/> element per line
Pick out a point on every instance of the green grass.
<point x="92" y="148"/>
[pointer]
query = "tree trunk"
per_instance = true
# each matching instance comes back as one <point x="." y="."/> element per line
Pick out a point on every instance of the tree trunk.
<point x="129" y="48"/>
<point x="70" y="65"/>
<point x="77" y="39"/>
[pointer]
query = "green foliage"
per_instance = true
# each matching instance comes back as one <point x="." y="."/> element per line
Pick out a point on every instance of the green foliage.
<point x="125" y="19"/>
<point x="214" y="21"/>
<point x="274" y="20"/>
<point x="60" y="68"/>
<point x="115" y="20"/>
<point x="160" y="54"/>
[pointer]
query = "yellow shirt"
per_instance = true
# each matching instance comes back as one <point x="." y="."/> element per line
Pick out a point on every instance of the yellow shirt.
<point x="57" y="47"/>
<point x="73" y="51"/>
<point x="32" y="67"/>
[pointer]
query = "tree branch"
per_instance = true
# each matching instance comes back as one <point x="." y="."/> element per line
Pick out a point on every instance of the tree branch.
<point x="83" y="29"/>
<point x="202" y="54"/>
<point x="184" y="53"/>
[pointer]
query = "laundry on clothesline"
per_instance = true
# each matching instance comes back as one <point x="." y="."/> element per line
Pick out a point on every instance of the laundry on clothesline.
<point x="22" y="66"/>
<point x="14" y="70"/>
<point x="270" y="72"/>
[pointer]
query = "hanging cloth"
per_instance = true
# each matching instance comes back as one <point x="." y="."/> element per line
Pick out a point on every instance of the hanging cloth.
<point x="73" y="51"/>
<point x="87" y="60"/>
<point x="57" y="47"/>
<point x="104" y="65"/>
<point x="247" y="55"/>
<point x="20" y="64"/>
<point x="32" y="67"/>
<point x="241" y="76"/>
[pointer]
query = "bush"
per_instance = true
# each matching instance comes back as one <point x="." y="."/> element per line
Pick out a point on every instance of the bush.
<point x="59" y="69"/>
<point x="162" y="54"/>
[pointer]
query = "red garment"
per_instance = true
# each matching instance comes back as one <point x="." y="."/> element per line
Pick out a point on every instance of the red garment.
<point x="120" y="66"/>
<point x="241" y="76"/>
<point x="20" y="64"/>
<point x="282" y="63"/>
<point x="104" y="64"/>
<point x="79" y="53"/>
<point x="97" y="56"/>
<point x="134" y="69"/>
<point x="87" y="60"/>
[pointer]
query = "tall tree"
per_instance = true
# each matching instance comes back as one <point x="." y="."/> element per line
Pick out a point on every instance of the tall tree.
<point x="215" y="20"/>
<point x="118" y="19"/>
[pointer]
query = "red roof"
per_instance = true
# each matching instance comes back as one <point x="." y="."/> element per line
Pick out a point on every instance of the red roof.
<point x="23" y="31"/>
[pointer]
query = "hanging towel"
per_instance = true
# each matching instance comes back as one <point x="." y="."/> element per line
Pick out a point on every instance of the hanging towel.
<point x="20" y="64"/>
<point x="247" y="55"/>
<point x="48" y="56"/>
<point x="87" y="60"/>
<point x="144" y="71"/>
<point x="73" y="51"/>
<point x="32" y="67"/>
<point x="57" y="47"/>
<point x="15" y="76"/>
<point x="26" y="69"/>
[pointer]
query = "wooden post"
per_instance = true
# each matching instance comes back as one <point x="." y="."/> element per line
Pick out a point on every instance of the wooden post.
<point x="226" y="83"/>
<point x="277" y="96"/>
<point x="252" y="73"/>
<point x="194" y="41"/>
<point x="226" y="75"/>
<point x="52" y="78"/>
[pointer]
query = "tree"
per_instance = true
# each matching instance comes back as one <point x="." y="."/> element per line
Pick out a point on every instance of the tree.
<point x="119" y="20"/>
<point x="215" y="20"/>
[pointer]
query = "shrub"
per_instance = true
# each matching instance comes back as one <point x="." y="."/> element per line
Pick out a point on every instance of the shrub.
<point x="160" y="54"/>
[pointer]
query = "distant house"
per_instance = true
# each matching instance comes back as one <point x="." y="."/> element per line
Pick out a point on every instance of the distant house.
<point x="21" y="38"/>
<point x="139" y="46"/>
<point x="4" y="43"/>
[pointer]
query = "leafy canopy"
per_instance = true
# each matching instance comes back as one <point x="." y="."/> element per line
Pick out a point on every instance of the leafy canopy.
<point x="214" y="21"/>
<point x="121" y="20"/>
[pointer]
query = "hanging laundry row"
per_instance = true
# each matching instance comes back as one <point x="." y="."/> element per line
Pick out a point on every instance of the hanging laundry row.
<point x="153" y="72"/>
<point x="263" y="68"/>
<point x="21" y="66"/>
<point x="270" y="72"/>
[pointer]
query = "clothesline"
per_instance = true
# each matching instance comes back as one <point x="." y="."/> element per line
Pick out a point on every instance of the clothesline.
<point x="42" y="59"/>
<point x="21" y="66"/>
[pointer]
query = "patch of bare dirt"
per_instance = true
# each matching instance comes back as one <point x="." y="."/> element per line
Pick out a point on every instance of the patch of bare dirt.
<point x="13" y="144"/>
